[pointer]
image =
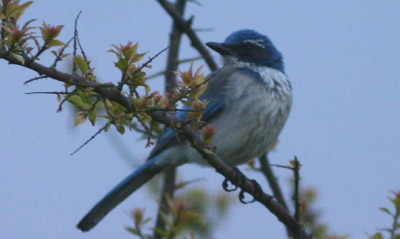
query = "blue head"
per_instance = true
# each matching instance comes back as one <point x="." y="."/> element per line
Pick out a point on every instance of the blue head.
<point x="251" y="47"/>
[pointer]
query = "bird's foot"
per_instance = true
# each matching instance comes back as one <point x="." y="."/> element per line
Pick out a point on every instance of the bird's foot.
<point x="240" y="178"/>
<point x="257" y="193"/>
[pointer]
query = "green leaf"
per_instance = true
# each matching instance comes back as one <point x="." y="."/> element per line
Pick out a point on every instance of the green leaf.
<point x="107" y="126"/>
<point x="55" y="43"/>
<point x="93" y="116"/>
<point x="130" y="52"/>
<point x="132" y="230"/>
<point x="26" y="25"/>
<point x="344" y="237"/>
<point x="19" y="58"/>
<point x="146" y="221"/>
<point x="377" y="236"/>
<point x="36" y="43"/>
<point x="16" y="11"/>
<point x="86" y="98"/>
<point x="113" y="51"/>
<point x="186" y="102"/>
<point x="161" y="232"/>
<point x="80" y="118"/>
<point x="76" y="100"/>
<point x="120" y="129"/>
<point x="384" y="209"/>
<point x="396" y="203"/>
<point x="81" y="63"/>
<point x="122" y="64"/>
<point x="137" y="57"/>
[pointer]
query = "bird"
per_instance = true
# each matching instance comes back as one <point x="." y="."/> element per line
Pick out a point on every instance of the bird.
<point x="249" y="97"/>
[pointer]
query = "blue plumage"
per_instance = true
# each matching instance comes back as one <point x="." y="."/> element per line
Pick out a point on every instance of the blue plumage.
<point x="213" y="108"/>
<point x="250" y="100"/>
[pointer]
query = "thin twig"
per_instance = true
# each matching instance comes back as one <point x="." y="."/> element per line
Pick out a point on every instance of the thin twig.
<point x="203" y="29"/>
<point x="172" y="110"/>
<point x="190" y="60"/>
<point x="35" y="79"/>
<point x="90" y="139"/>
<point x="272" y="180"/>
<point x="160" y="73"/>
<point x="59" y="56"/>
<point x="59" y="109"/>
<point x="78" y="40"/>
<point x="273" y="183"/>
<point x="2" y="32"/>
<point x="282" y="166"/>
<point x="47" y="93"/>
<point x="155" y="75"/>
<point x="184" y="26"/>
<point x="74" y="66"/>
<point x="296" y="196"/>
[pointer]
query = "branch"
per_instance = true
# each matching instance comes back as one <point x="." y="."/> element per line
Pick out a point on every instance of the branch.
<point x="103" y="90"/>
<point x="168" y="187"/>
<point x="248" y="186"/>
<point x="296" y="198"/>
<point x="273" y="182"/>
<point x="186" y="130"/>
<point x="184" y="26"/>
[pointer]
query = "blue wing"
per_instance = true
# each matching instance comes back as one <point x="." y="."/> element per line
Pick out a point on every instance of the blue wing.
<point x="214" y="94"/>
<point x="213" y="108"/>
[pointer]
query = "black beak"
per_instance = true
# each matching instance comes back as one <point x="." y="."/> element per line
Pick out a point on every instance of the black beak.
<point x="222" y="48"/>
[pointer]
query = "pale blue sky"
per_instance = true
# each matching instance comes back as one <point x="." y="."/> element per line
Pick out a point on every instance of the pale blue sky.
<point x="343" y="58"/>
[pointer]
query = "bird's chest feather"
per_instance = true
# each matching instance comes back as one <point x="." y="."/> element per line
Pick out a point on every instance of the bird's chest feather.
<point x="254" y="114"/>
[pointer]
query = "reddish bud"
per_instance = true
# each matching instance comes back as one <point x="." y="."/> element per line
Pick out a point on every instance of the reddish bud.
<point x="137" y="215"/>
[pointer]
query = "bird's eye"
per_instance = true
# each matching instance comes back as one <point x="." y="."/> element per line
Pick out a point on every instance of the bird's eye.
<point x="248" y="46"/>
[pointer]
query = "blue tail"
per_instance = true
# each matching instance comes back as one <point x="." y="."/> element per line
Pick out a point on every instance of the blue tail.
<point x="130" y="184"/>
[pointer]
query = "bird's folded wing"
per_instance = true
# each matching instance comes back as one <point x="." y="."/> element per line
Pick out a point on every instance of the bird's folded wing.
<point x="214" y="95"/>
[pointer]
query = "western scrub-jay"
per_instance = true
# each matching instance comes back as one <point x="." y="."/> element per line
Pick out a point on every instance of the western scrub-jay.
<point x="250" y="99"/>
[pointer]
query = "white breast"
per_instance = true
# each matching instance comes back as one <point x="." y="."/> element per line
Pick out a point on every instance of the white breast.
<point x="253" y="117"/>
<point x="251" y="121"/>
